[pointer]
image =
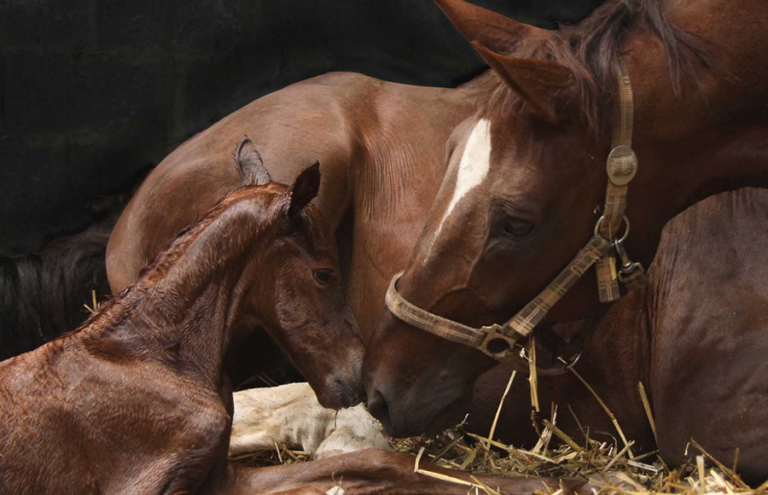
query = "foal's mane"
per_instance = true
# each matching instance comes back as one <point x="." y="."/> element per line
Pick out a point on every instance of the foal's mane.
<point x="591" y="50"/>
<point x="179" y="244"/>
<point x="119" y="307"/>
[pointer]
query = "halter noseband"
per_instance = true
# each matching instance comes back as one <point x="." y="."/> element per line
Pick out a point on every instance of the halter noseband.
<point x="500" y="341"/>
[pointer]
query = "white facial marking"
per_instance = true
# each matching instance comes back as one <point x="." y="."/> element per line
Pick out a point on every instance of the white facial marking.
<point x="472" y="170"/>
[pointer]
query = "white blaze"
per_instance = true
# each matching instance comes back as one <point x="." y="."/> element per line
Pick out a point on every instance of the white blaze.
<point x="473" y="168"/>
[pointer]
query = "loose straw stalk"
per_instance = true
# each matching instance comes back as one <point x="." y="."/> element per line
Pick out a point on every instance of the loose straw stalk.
<point x="607" y="410"/>
<point x="532" y="377"/>
<point x="735" y="477"/>
<point x="648" y="412"/>
<point x="449" y="479"/>
<point x="95" y="303"/>
<point x="498" y="410"/>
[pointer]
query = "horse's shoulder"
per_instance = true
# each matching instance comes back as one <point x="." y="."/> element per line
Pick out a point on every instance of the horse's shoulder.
<point x="713" y="246"/>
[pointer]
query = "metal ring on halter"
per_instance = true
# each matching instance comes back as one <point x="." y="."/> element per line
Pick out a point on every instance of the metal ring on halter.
<point x="622" y="238"/>
<point x="571" y="362"/>
<point x="574" y="361"/>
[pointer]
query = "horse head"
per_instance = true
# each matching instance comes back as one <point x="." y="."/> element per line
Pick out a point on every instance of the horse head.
<point x="525" y="175"/>
<point x="300" y="301"/>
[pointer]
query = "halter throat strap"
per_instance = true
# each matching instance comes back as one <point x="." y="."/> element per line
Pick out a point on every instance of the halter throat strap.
<point x="501" y="341"/>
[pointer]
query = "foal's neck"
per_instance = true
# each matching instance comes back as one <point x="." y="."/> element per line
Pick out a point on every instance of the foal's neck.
<point x="184" y="308"/>
<point x="209" y="283"/>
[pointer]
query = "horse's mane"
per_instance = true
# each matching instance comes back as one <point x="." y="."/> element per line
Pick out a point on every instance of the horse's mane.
<point x="591" y="50"/>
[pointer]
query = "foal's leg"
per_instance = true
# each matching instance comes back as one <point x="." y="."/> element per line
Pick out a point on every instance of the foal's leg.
<point x="376" y="471"/>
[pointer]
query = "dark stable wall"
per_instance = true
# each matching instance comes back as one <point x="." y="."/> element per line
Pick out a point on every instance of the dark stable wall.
<point x="93" y="93"/>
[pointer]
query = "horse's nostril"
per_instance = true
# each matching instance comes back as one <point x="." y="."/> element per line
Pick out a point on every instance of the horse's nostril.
<point x="351" y="394"/>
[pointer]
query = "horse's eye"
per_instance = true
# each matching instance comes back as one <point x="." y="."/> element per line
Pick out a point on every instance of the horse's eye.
<point x="518" y="228"/>
<point x="323" y="276"/>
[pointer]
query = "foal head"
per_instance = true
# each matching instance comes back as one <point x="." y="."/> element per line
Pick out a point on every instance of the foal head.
<point x="299" y="299"/>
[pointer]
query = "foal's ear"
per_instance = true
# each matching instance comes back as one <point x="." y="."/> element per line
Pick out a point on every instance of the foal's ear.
<point x="493" y="30"/>
<point x="544" y="85"/>
<point x="250" y="166"/>
<point x="304" y="189"/>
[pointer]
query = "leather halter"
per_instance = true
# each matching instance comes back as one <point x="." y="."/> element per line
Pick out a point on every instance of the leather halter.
<point x="500" y="341"/>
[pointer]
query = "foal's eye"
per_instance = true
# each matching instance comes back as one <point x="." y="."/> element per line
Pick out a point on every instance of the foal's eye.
<point x="518" y="228"/>
<point x="323" y="276"/>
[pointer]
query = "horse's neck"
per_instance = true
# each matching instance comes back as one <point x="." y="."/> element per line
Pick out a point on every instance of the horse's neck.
<point x="399" y="140"/>
<point x="731" y="83"/>
<point x="708" y="139"/>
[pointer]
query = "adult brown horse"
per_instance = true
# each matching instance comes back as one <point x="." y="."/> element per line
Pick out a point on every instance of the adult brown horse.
<point x="527" y="172"/>
<point x="136" y="401"/>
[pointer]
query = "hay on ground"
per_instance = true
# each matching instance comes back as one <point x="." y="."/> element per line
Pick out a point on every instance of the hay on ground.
<point x="611" y="467"/>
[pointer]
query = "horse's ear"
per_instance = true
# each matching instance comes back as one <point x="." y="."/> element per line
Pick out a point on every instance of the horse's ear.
<point x="304" y="189"/>
<point x="250" y="166"/>
<point x="541" y="83"/>
<point x="489" y="28"/>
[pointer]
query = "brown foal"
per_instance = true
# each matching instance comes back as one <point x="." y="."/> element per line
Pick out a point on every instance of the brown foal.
<point x="135" y="401"/>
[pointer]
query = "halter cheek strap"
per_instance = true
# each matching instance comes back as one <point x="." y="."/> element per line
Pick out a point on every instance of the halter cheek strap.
<point x="500" y="341"/>
<point x="621" y="168"/>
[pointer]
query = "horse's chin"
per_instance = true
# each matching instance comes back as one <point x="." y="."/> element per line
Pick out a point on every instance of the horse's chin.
<point x="432" y="422"/>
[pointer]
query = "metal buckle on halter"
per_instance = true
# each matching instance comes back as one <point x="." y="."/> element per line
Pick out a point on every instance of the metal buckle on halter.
<point x="621" y="165"/>
<point x="628" y="266"/>
<point x="496" y="344"/>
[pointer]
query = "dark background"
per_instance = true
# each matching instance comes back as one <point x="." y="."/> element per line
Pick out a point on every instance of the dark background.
<point x="93" y="93"/>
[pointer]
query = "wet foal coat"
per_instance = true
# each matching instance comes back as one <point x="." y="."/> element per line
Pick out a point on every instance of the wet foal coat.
<point x="135" y="401"/>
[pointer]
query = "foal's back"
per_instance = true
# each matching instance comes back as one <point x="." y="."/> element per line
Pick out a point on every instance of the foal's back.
<point x="76" y="422"/>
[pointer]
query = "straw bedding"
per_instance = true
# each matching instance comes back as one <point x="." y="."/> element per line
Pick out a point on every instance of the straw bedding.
<point x="611" y="467"/>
